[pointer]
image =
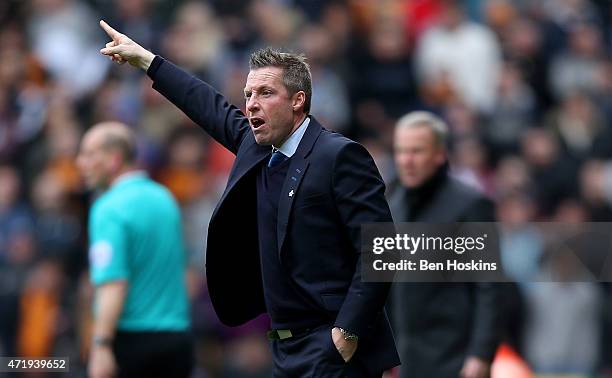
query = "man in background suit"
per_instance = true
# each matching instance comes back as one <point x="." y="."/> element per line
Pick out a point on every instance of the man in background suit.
<point x="444" y="330"/>
<point x="285" y="237"/>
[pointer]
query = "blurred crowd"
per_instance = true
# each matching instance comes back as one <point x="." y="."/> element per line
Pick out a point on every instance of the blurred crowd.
<point x="525" y="85"/>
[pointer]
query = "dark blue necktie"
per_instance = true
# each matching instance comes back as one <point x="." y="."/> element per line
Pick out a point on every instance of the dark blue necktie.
<point x="276" y="158"/>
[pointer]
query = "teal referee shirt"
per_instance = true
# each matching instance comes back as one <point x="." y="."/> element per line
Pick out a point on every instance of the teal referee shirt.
<point x="136" y="235"/>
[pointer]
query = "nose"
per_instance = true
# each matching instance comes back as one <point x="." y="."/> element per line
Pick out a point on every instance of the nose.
<point x="404" y="159"/>
<point x="81" y="163"/>
<point x="252" y="105"/>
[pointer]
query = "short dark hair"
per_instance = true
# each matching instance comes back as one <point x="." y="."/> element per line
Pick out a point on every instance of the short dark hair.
<point x="296" y="71"/>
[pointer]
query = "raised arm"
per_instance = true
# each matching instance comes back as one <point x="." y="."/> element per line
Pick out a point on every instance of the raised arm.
<point x="199" y="101"/>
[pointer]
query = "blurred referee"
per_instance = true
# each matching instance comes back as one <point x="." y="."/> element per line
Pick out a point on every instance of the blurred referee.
<point x="137" y="264"/>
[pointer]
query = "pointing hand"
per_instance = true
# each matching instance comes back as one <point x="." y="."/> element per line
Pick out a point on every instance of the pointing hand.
<point x="122" y="49"/>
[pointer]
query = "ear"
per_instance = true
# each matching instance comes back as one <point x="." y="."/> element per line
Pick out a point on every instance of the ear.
<point x="116" y="160"/>
<point x="441" y="156"/>
<point x="299" y="100"/>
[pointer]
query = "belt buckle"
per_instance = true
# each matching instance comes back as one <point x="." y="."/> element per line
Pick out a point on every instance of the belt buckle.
<point x="279" y="334"/>
<point x="284" y="334"/>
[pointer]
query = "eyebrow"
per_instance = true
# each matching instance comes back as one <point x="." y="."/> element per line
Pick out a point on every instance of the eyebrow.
<point x="257" y="89"/>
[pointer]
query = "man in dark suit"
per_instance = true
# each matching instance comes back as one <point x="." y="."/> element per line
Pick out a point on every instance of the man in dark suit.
<point x="285" y="237"/>
<point x="444" y="330"/>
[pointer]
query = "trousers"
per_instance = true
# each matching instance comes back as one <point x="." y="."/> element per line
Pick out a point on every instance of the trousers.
<point x="314" y="355"/>
<point x="154" y="354"/>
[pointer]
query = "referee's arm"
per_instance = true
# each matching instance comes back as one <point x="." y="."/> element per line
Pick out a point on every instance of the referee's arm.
<point x="110" y="298"/>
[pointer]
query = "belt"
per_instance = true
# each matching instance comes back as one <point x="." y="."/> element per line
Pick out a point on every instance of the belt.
<point x="282" y="334"/>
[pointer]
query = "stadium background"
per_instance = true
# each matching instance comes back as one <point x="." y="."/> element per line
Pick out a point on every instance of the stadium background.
<point x="526" y="86"/>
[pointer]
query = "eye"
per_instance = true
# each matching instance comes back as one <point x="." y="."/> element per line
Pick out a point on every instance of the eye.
<point x="247" y="95"/>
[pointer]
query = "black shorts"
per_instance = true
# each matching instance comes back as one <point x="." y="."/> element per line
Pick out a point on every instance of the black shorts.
<point x="154" y="354"/>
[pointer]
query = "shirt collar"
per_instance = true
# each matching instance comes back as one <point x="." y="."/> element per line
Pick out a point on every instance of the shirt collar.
<point x="127" y="176"/>
<point x="291" y="144"/>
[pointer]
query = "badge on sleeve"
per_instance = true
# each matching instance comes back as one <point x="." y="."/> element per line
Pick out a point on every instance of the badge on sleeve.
<point x="100" y="254"/>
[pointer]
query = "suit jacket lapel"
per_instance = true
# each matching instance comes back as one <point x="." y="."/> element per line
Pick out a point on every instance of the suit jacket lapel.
<point x="245" y="161"/>
<point x="297" y="169"/>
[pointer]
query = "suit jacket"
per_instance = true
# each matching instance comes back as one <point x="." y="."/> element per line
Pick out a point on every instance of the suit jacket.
<point x="331" y="188"/>
<point x="439" y="324"/>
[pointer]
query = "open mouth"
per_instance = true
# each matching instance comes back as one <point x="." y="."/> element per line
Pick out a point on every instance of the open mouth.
<point x="256" y="122"/>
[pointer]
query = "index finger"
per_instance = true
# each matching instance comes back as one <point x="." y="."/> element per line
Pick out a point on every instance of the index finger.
<point x="109" y="30"/>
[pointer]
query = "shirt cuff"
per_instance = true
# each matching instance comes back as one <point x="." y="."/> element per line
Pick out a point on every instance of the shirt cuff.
<point x="152" y="70"/>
